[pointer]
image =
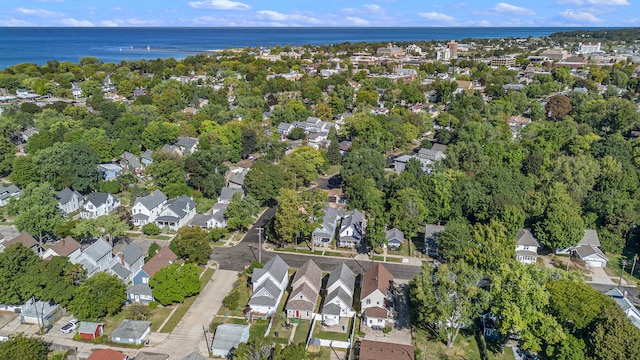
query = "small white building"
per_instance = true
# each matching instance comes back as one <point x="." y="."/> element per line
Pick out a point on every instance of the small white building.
<point x="526" y="247"/>
<point x="99" y="204"/>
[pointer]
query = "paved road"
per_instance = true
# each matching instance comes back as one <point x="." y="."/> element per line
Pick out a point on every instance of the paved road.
<point x="235" y="258"/>
<point x="188" y="336"/>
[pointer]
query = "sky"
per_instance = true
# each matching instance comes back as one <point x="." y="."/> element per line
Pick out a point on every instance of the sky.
<point x="318" y="13"/>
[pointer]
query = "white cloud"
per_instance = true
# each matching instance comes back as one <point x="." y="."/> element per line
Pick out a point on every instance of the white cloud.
<point x="512" y="9"/>
<point x="580" y="16"/>
<point x="596" y="2"/>
<point x="278" y="16"/>
<point x="109" y="23"/>
<point x="372" y="7"/>
<point x="74" y="22"/>
<point x="15" y="22"/>
<point x="219" y="5"/>
<point x="436" y="16"/>
<point x="39" y="12"/>
<point x="357" y="21"/>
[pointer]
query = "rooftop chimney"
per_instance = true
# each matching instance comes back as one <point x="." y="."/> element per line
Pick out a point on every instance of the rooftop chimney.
<point x="122" y="259"/>
<point x="624" y="296"/>
<point x="62" y="242"/>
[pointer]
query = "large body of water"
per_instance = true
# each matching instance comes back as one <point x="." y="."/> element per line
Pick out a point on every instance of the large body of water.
<point x="38" y="45"/>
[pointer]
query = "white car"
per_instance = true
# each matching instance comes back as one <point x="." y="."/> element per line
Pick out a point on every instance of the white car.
<point x="68" y="328"/>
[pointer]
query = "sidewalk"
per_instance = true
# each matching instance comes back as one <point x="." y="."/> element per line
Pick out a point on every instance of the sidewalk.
<point x="345" y="254"/>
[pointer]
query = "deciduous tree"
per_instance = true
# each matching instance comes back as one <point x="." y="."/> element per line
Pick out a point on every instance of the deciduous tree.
<point x="175" y="282"/>
<point x="99" y="296"/>
<point x="192" y="244"/>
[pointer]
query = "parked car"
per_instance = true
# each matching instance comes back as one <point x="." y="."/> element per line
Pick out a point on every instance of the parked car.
<point x="69" y="327"/>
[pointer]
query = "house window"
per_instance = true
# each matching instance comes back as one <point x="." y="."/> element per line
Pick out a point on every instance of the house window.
<point x="526" y="247"/>
<point x="368" y="301"/>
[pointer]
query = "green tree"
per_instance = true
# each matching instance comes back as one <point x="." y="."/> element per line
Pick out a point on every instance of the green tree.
<point x="159" y="133"/>
<point x="151" y="229"/>
<point x="192" y="244"/>
<point x="290" y="352"/>
<point x="296" y="134"/>
<point x="206" y="171"/>
<point x="263" y="181"/>
<point x="37" y="211"/>
<point x="448" y="299"/>
<point x="15" y="261"/>
<point x="562" y="225"/>
<point x="575" y="304"/>
<point x="408" y="212"/>
<point x="334" y="157"/>
<point x="306" y="163"/>
<point x="112" y="226"/>
<point x="612" y="336"/>
<point x="99" y="296"/>
<point x="20" y="347"/>
<point x="241" y="212"/>
<point x="7" y="155"/>
<point x="519" y="303"/>
<point x="367" y="162"/>
<point x="53" y="280"/>
<point x="23" y="171"/>
<point x="456" y="240"/>
<point x="255" y="349"/>
<point x="175" y="282"/>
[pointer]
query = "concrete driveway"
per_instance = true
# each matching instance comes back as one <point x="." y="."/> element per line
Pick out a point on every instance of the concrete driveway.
<point x="599" y="276"/>
<point x="188" y="336"/>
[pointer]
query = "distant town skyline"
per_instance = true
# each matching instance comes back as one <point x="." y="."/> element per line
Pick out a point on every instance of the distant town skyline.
<point x="327" y="13"/>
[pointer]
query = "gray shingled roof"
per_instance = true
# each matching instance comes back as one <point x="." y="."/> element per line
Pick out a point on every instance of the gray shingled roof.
<point x="590" y="238"/>
<point x="276" y="267"/>
<point x="525" y="238"/>
<point x="270" y="298"/>
<point x="120" y="270"/>
<point x="201" y="220"/>
<point x="394" y="234"/>
<point x="227" y="193"/>
<point x="132" y="253"/>
<point x="187" y="142"/>
<point x="147" y="154"/>
<point x="141" y="289"/>
<point x="340" y="294"/>
<point x="238" y="177"/>
<point x="179" y="205"/>
<point x="88" y="327"/>
<point x="588" y="250"/>
<point x="228" y="336"/>
<point x="329" y="219"/>
<point x="97" y="198"/>
<point x="98" y="250"/>
<point x="132" y="159"/>
<point x="64" y="195"/>
<point x="152" y="200"/>
<point x="310" y="272"/>
<point x="130" y="329"/>
<point x="342" y="272"/>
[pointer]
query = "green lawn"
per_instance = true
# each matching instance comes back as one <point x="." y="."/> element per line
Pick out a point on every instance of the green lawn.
<point x="257" y="329"/>
<point x="203" y="204"/>
<point x="112" y="322"/>
<point x="158" y="316"/>
<point x="465" y="347"/>
<point x="206" y="277"/>
<point x="242" y="289"/>
<point x="221" y="320"/>
<point x="302" y="330"/>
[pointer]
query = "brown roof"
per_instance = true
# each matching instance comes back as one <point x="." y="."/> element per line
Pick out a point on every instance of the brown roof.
<point x="162" y="258"/>
<point x="65" y="246"/>
<point x="376" y="312"/>
<point x="107" y="354"/>
<point x="376" y="278"/>
<point x="25" y="239"/>
<point x="296" y="303"/>
<point x="376" y="350"/>
<point x="310" y="272"/>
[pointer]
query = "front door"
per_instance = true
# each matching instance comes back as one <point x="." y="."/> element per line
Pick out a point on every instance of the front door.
<point x="297" y="313"/>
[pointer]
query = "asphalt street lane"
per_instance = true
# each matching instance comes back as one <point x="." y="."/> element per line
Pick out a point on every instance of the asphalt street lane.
<point x="237" y="257"/>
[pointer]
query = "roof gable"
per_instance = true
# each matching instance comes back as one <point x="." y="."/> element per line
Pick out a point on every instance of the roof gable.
<point x="376" y="278"/>
<point x="162" y="258"/>
<point x="524" y="237"/>
<point x="65" y="246"/>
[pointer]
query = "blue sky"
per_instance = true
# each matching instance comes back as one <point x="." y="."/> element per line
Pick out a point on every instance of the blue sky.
<point x="615" y="13"/>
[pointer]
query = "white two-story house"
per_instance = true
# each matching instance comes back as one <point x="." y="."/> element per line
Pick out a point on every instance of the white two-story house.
<point x="526" y="247"/>
<point x="339" y="299"/>
<point x="99" y="204"/>
<point x="69" y="201"/>
<point x="376" y="296"/>
<point x="146" y="209"/>
<point x="269" y="284"/>
<point x="177" y="213"/>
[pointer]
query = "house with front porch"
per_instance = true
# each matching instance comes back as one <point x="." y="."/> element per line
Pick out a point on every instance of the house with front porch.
<point x="69" y="201"/>
<point x="146" y="209"/>
<point x="97" y="257"/>
<point x="526" y="247"/>
<point x="351" y="229"/>
<point x="99" y="204"/>
<point x="177" y="213"/>
<point x="323" y="234"/>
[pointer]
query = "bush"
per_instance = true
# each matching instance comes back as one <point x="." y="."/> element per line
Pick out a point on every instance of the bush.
<point x="151" y="229"/>
<point x="216" y="234"/>
<point x="254" y="265"/>
<point x="153" y="305"/>
<point x="112" y="186"/>
<point x="386" y="330"/>
<point x="231" y="301"/>
<point x="297" y="134"/>
<point x="138" y="311"/>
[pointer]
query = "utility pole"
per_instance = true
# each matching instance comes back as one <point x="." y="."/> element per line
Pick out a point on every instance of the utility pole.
<point x="206" y="339"/>
<point x="633" y="268"/>
<point x="260" y="245"/>
<point x="624" y="263"/>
